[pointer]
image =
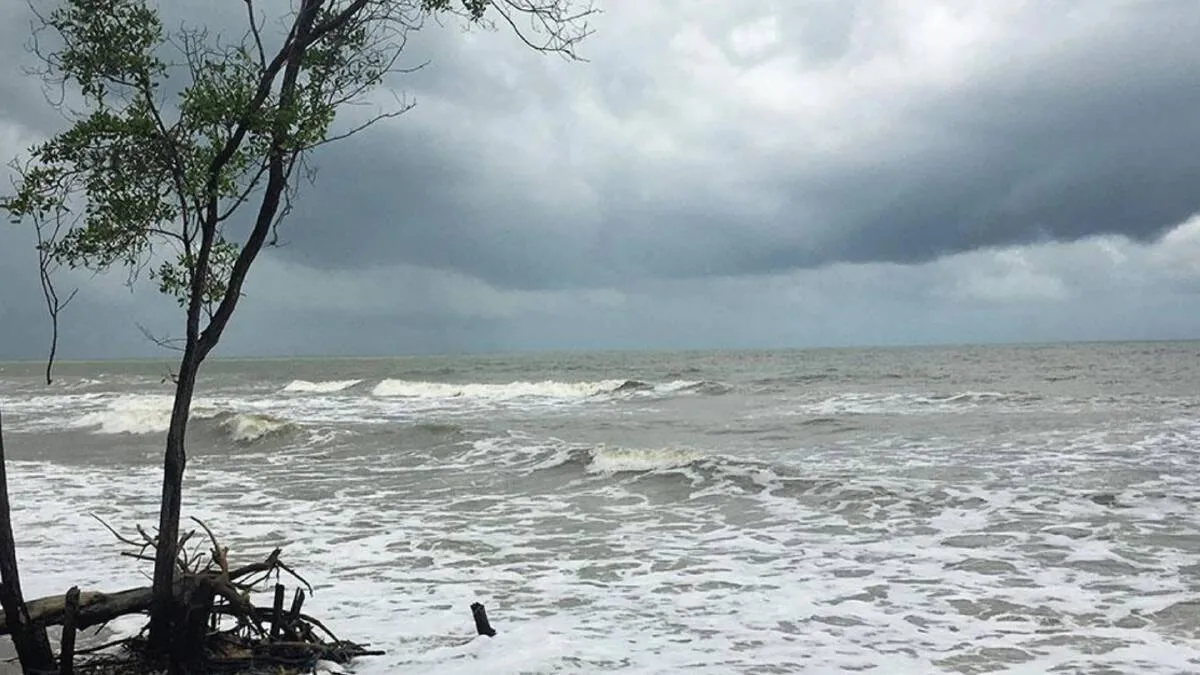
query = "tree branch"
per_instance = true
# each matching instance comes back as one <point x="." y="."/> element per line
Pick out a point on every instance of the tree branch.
<point x="563" y="29"/>
<point x="276" y="183"/>
<point x="255" y="31"/>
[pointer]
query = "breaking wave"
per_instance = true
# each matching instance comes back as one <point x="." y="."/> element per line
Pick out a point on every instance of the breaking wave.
<point x="151" y="414"/>
<point x="633" y="385"/>
<point x="327" y="387"/>
<point x="246" y="428"/>
<point x="138" y="414"/>
<point x="608" y="460"/>
<point x="702" y="387"/>
<point x="621" y="460"/>
<point x="546" y="389"/>
<point x="680" y="473"/>
<point x="495" y="392"/>
<point x="912" y="404"/>
<point x="308" y="401"/>
<point x="705" y="388"/>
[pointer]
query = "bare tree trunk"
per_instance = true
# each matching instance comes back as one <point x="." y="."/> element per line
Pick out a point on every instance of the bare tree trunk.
<point x="165" y="611"/>
<point x="167" y="616"/>
<point x="33" y="647"/>
<point x="53" y="348"/>
<point x="46" y="239"/>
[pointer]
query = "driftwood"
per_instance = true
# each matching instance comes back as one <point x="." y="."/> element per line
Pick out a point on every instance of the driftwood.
<point x="227" y="632"/>
<point x="94" y="608"/>
<point x="224" y="630"/>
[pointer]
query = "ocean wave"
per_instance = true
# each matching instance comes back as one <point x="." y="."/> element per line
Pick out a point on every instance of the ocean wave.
<point x="633" y="385"/>
<point x="611" y="461"/>
<point x="785" y="381"/>
<point x="151" y="414"/>
<point x="131" y="414"/>
<point x="979" y="397"/>
<point x="247" y="428"/>
<point x="866" y="403"/>
<point x="675" y="387"/>
<point x="857" y="563"/>
<point x="679" y="475"/>
<point x="325" y="387"/>
<point x="822" y="422"/>
<point x="75" y="384"/>
<point x="623" y="460"/>
<point x="494" y="391"/>
<point x="703" y="387"/>
<point x="439" y="428"/>
<point x="546" y="390"/>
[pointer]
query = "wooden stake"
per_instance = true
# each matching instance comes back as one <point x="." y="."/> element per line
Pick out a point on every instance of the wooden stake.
<point x="66" y="654"/>
<point x="297" y="603"/>
<point x="277" y="613"/>
<point x="481" y="621"/>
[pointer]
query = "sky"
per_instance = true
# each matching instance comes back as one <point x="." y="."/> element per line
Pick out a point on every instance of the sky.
<point x="717" y="174"/>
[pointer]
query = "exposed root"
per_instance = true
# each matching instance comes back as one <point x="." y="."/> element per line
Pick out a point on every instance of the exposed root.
<point x="227" y="632"/>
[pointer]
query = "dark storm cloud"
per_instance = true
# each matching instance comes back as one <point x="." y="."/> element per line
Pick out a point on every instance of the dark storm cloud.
<point x="20" y="316"/>
<point x="1084" y="142"/>
<point x="706" y="179"/>
<point x="1069" y="131"/>
<point x="86" y="327"/>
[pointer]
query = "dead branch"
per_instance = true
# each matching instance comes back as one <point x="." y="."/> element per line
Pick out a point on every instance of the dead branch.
<point x="251" y="637"/>
<point x="141" y="546"/>
<point x="66" y="652"/>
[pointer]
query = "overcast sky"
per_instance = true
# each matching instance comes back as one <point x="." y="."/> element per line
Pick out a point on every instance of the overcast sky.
<point x="723" y="174"/>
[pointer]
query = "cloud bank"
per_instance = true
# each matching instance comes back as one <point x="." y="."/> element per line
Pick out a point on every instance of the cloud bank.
<point x="730" y="174"/>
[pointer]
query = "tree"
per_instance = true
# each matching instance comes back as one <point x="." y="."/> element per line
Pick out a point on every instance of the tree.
<point x="184" y="135"/>
<point x="47" y="233"/>
<point x="29" y="638"/>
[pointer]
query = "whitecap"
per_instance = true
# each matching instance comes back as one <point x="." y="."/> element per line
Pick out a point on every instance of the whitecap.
<point x="138" y="414"/>
<point x="251" y="427"/>
<point x="325" y="387"/>
<point x="547" y="389"/>
<point x="132" y="414"/>
<point x="621" y="460"/>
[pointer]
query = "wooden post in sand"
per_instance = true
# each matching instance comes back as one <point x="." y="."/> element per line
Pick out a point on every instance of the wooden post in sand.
<point x="277" y="613"/>
<point x="66" y="653"/>
<point x="481" y="621"/>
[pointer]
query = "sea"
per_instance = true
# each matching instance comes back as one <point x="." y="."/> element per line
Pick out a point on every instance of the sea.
<point x="991" y="509"/>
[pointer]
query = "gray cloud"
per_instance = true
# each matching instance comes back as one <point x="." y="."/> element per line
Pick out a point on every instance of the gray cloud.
<point x="1060" y="129"/>
<point x="729" y="174"/>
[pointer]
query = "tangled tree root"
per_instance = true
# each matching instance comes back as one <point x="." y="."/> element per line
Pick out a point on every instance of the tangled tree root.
<point x="222" y="630"/>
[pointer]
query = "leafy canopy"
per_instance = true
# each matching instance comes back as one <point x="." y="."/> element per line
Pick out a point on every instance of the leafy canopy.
<point x="182" y="129"/>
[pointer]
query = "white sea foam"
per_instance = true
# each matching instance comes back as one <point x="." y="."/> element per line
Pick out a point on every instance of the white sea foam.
<point x="547" y="389"/>
<point x="603" y="572"/>
<point x="77" y="383"/>
<point x="866" y="403"/>
<point x="1057" y="544"/>
<point x="47" y="412"/>
<point x="151" y="414"/>
<point x="617" y="575"/>
<point x="251" y="427"/>
<point x="432" y="395"/>
<point x="130" y="414"/>
<point x="389" y="401"/>
<point x="326" y="387"/>
<point x="693" y="386"/>
<point x="618" y="460"/>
